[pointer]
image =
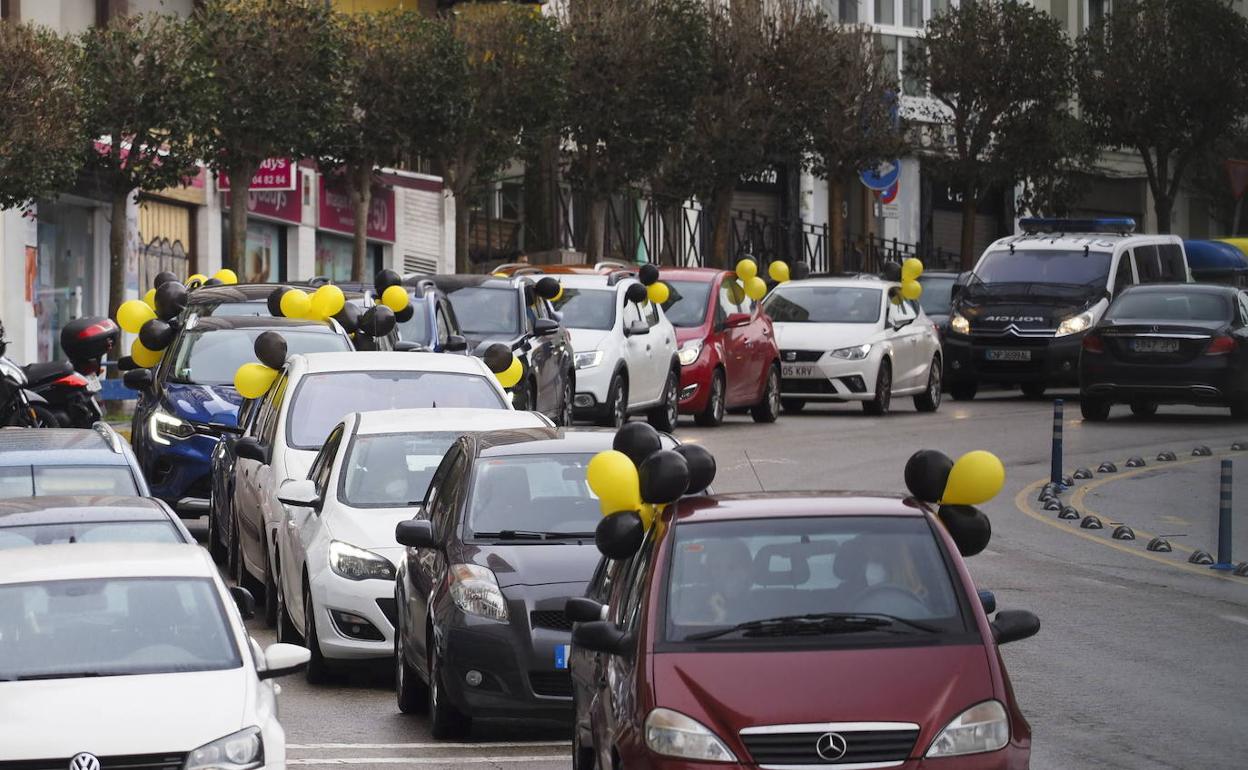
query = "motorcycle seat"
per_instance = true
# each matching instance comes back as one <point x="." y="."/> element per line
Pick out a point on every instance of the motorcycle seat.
<point x="39" y="374"/>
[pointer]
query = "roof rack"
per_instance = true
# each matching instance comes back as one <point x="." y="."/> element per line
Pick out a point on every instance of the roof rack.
<point x="110" y="436"/>
<point x="613" y="264"/>
<point x="616" y="276"/>
<point x="1118" y="225"/>
<point x="527" y="270"/>
<point x="510" y="266"/>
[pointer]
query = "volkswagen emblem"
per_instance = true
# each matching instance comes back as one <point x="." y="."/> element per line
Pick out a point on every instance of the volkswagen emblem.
<point x="830" y="746"/>
<point x="85" y="761"/>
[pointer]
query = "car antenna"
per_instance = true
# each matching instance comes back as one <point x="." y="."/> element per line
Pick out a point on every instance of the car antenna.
<point x="754" y="471"/>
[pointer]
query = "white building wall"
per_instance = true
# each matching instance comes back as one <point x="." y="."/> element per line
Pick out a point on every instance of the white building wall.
<point x="421" y="232"/>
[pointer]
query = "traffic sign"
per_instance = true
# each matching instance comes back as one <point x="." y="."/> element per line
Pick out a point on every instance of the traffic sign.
<point x="883" y="176"/>
<point x="889" y="195"/>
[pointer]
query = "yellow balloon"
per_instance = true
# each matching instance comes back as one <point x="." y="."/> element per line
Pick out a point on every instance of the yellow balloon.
<point x="511" y="375"/>
<point x="395" y="298"/>
<point x="911" y="269"/>
<point x="296" y="303"/>
<point x="658" y="292"/>
<point x="149" y="298"/>
<point x="911" y="289"/>
<point x="894" y="295"/>
<point x="747" y="269"/>
<point x="327" y="301"/>
<point x="736" y="293"/>
<point x="755" y="288"/>
<point x="144" y="357"/>
<point x="133" y="314"/>
<point x="558" y="296"/>
<point x="647" y="513"/>
<point x="226" y="276"/>
<point x="196" y="279"/>
<point x="976" y="478"/>
<point x="779" y="271"/>
<point x="613" y="477"/>
<point x="253" y="380"/>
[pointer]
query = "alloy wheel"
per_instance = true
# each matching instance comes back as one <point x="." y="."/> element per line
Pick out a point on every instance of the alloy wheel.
<point x="619" y="408"/>
<point x="565" y="414"/>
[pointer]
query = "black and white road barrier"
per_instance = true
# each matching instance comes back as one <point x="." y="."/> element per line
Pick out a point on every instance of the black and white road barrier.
<point x="1055" y="462"/>
<point x="1224" y="520"/>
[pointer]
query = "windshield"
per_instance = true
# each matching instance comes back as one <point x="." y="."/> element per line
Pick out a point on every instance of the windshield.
<point x="1179" y="306"/>
<point x="322" y="400"/>
<point x="66" y="629"/>
<point x="1069" y="268"/>
<point x="824" y="304"/>
<point x="857" y="576"/>
<point x="686" y="302"/>
<point x="533" y="493"/>
<point x="416" y="328"/>
<point x="486" y="310"/>
<point x="44" y="480"/>
<point x="393" y="469"/>
<point x="587" y="308"/>
<point x="936" y="298"/>
<point x="212" y="356"/>
<point x="90" y="532"/>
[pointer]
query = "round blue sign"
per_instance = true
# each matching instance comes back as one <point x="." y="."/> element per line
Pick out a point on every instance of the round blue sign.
<point x="883" y="176"/>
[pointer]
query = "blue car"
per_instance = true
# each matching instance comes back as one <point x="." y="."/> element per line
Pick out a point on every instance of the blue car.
<point x="188" y="401"/>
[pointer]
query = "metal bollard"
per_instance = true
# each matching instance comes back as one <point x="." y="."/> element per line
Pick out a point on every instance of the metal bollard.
<point x="1224" y="520"/>
<point x="1055" y="468"/>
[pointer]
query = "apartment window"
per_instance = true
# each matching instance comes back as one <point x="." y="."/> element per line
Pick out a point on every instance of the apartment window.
<point x="912" y="13"/>
<point x="940" y="6"/>
<point x="911" y="51"/>
<point x="1097" y="11"/>
<point x="886" y="12"/>
<point x="843" y="11"/>
<point x="889" y="44"/>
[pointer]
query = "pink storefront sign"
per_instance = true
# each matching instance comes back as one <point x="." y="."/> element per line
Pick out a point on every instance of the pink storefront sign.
<point x="336" y="214"/>
<point x="282" y="205"/>
<point x="274" y="174"/>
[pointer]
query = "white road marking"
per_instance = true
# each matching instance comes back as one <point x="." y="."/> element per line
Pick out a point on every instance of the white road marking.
<point x="420" y="760"/>
<point x="1235" y="619"/>
<point x="430" y="745"/>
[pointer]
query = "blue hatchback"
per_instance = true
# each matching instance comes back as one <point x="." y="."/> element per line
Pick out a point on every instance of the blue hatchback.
<point x="188" y="401"/>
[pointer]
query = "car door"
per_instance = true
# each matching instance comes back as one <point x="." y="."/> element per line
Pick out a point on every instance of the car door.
<point x="909" y="339"/>
<point x="585" y="665"/>
<point x="426" y="567"/>
<point x="736" y="343"/>
<point x="301" y="526"/>
<point x="641" y="377"/>
<point x="662" y="344"/>
<point x="248" y="511"/>
<point x="267" y="478"/>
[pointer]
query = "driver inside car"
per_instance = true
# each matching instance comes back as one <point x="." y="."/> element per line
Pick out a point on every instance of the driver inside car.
<point x="721" y="584"/>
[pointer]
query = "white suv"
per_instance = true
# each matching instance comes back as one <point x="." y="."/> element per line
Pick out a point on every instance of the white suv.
<point x="625" y="351"/>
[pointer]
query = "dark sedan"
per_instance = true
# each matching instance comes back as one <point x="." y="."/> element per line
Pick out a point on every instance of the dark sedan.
<point x="1168" y="344"/>
<point x="28" y="521"/>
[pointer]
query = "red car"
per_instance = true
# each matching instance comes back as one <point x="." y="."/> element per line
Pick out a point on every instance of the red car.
<point x="728" y="352"/>
<point x="790" y="632"/>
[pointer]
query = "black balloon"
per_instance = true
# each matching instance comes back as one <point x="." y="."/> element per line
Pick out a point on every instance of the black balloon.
<point x="163" y="278"/>
<point x="348" y="318"/>
<point x="270" y="348"/>
<point x="214" y="282"/>
<point x="638" y="440"/>
<point x="799" y="271"/>
<point x="275" y="301"/>
<point x="126" y="363"/>
<point x="170" y="300"/>
<point x="497" y="357"/>
<point x="701" y="466"/>
<point x="548" y="287"/>
<point x="385" y="279"/>
<point x="363" y="342"/>
<point x="663" y="477"/>
<point x="157" y="334"/>
<point x="648" y="274"/>
<point x="927" y="472"/>
<point x="406" y="314"/>
<point x="635" y="293"/>
<point x="619" y="535"/>
<point x="890" y="271"/>
<point x="968" y="526"/>
<point x="377" y="321"/>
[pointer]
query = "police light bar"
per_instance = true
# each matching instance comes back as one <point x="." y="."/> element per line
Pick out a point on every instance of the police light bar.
<point x="1122" y="225"/>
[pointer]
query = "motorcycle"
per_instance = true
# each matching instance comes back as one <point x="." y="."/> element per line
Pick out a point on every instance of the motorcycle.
<point x="15" y="406"/>
<point x="68" y="390"/>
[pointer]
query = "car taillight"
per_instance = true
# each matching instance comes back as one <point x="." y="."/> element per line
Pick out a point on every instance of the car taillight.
<point x="72" y="381"/>
<point x="1094" y="344"/>
<point x="1220" y="346"/>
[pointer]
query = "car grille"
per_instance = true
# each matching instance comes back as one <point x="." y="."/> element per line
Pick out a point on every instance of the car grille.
<point x="800" y="356"/>
<point x="807" y="386"/>
<point x="552" y="684"/>
<point x="552" y="619"/>
<point x="800" y="748"/>
<point x="171" y="761"/>
<point x="390" y="610"/>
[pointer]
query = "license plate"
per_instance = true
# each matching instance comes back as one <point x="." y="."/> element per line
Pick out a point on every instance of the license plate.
<point x="561" y="655"/>
<point x="791" y="370"/>
<point x="93" y="383"/>
<point x="1008" y="355"/>
<point x="1155" y="346"/>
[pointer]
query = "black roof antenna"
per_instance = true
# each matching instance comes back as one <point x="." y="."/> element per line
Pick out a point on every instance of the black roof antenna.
<point x="754" y="471"/>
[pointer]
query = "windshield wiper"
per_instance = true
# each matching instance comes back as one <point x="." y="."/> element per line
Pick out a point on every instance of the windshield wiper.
<point x="814" y="623"/>
<point x="528" y="534"/>
<point x="60" y="675"/>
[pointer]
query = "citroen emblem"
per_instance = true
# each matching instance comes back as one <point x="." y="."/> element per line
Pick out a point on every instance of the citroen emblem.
<point x="85" y="761"/>
<point x="830" y="746"/>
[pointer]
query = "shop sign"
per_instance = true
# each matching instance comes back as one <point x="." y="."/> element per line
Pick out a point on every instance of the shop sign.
<point x="278" y="204"/>
<point x="336" y="213"/>
<point x="273" y="174"/>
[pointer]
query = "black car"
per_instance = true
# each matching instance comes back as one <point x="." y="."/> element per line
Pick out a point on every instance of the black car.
<point x="493" y="309"/>
<point x="1167" y="344"/>
<point x="505" y="536"/>
<point x="27" y="521"/>
<point x="937" y="297"/>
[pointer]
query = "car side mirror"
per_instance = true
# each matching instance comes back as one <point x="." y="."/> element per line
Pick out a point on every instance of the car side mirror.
<point x="456" y="343"/>
<point x="544" y="327"/>
<point x="602" y="636"/>
<point x="989" y="601"/>
<point x="250" y="448"/>
<point x="636" y="328"/>
<point x="245" y="602"/>
<point x="415" y="533"/>
<point x="138" y="379"/>
<point x="282" y="659"/>
<point x="300" y="493"/>
<point x="408" y="346"/>
<point x="582" y="609"/>
<point x="1014" y="625"/>
<point x="736" y="319"/>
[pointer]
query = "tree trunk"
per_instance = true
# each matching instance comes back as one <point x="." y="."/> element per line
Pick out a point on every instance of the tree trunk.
<point x="462" y="214"/>
<point x="721" y="229"/>
<point x="360" y="183"/>
<point x="595" y="230"/>
<point x="836" y="227"/>
<point x="1163" y="205"/>
<point x="541" y="197"/>
<point x="240" y="186"/>
<point x="117" y="252"/>
<point x="969" y="204"/>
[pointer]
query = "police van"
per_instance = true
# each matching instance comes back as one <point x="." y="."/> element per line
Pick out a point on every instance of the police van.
<point x="1019" y="317"/>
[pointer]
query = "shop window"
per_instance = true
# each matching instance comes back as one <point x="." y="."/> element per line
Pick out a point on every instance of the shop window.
<point x="334" y="256"/>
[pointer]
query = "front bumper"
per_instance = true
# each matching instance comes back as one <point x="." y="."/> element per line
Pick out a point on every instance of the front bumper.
<point x="695" y="384"/>
<point x="592" y="385"/>
<point x="372" y="600"/>
<point x="1012" y="757"/>
<point x="1204" y="380"/>
<point x="180" y="473"/>
<point x="830" y="379"/>
<point x="1049" y="360"/>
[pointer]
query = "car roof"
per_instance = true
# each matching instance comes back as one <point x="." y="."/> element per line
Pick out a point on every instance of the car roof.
<point x="527" y="441"/>
<point x="79" y="561"/>
<point x="255" y="292"/>
<point x="595" y="281"/>
<point x="58" y="446"/>
<point x="387" y="360"/>
<point x="217" y="323"/>
<point x="1076" y="241"/>
<point x="762" y="505"/>
<point x="452" y="282"/>
<point x="61" y="509"/>
<point x="869" y="281"/>
<point x="415" y="420"/>
<point x="1169" y="288"/>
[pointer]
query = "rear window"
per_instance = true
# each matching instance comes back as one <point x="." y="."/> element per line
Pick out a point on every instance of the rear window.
<point x="44" y="480"/>
<point x="90" y="532"/>
<point x="1179" y="306"/>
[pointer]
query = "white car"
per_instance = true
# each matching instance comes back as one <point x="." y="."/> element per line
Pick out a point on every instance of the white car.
<point x="842" y="339"/>
<point x="115" y="653"/>
<point x="625" y="352"/>
<point x="311" y="395"/>
<point x="336" y="549"/>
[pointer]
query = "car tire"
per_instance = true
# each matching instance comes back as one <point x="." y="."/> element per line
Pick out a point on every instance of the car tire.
<point x="286" y="631"/>
<point x="929" y="400"/>
<point x="793" y="405"/>
<point x="566" y="402"/>
<point x="964" y="391"/>
<point x="615" y="412"/>
<point x="713" y="414"/>
<point x="878" y="406"/>
<point x="1239" y="409"/>
<point x="216" y="546"/>
<point x="768" y="409"/>
<point x="1033" y="390"/>
<point x="445" y="721"/>
<point x="1094" y="409"/>
<point x="583" y="757"/>
<point x="665" y="416"/>
<point x="1143" y="408"/>
<point x="409" y="688"/>
<point x="270" y="594"/>
<point x="45" y="417"/>
<point x="317" y="670"/>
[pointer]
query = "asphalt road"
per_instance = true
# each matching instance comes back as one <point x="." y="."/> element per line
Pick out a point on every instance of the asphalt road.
<point x="1140" y="662"/>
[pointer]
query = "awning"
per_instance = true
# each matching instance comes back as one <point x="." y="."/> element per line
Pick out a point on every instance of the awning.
<point x="1220" y="257"/>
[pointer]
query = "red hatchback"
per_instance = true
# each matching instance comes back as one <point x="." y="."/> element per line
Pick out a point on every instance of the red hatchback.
<point x="729" y="358"/>
<point x="794" y="632"/>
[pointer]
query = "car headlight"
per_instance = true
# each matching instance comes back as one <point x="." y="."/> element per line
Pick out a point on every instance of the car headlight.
<point x="673" y="734"/>
<point x="355" y="563"/>
<point x="1075" y="324"/>
<point x="239" y="751"/>
<point x="162" y="427"/>
<point x="475" y="591"/>
<point x="689" y="352"/>
<point x="856" y="353"/>
<point x="982" y="728"/>
<point x="588" y="359"/>
<point x="959" y="324"/>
